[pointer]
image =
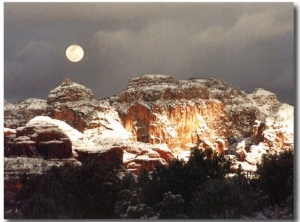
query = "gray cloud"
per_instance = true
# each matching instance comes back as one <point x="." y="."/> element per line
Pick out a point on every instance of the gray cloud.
<point x="248" y="45"/>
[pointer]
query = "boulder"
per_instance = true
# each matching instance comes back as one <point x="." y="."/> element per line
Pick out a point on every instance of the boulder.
<point x="55" y="149"/>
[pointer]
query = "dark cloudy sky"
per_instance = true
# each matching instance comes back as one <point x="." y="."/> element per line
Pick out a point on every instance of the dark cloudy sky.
<point x="247" y="45"/>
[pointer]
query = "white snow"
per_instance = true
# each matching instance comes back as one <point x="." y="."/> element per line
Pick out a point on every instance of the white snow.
<point x="72" y="133"/>
<point x="9" y="131"/>
<point x="286" y="115"/>
<point x="182" y="154"/>
<point x="262" y="92"/>
<point x="110" y="127"/>
<point x="128" y="156"/>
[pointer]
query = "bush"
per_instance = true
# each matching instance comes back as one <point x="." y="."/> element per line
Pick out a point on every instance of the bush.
<point x="130" y="206"/>
<point x="203" y="165"/>
<point x="183" y="178"/>
<point x="276" y="175"/>
<point x="87" y="191"/>
<point x="225" y="199"/>
<point x="172" y="207"/>
<point x="94" y="191"/>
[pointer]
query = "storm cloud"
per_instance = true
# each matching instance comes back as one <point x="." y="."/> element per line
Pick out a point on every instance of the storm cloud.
<point x="247" y="45"/>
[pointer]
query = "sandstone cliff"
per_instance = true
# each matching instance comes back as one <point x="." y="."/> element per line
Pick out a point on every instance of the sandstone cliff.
<point x="180" y="113"/>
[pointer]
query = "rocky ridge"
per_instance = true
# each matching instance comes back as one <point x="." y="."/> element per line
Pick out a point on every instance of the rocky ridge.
<point x="157" y="118"/>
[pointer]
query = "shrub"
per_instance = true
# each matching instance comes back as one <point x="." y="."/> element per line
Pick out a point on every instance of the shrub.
<point x="87" y="191"/>
<point x="225" y="199"/>
<point x="276" y="175"/>
<point x="183" y="178"/>
<point x="207" y="164"/>
<point x="172" y="207"/>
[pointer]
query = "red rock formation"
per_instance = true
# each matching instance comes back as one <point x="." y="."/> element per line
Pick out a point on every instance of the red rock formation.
<point x="71" y="102"/>
<point x="42" y="139"/>
<point x="158" y="109"/>
<point x="178" y="113"/>
<point x="257" y="131"/>
<point x="148" y="159"/>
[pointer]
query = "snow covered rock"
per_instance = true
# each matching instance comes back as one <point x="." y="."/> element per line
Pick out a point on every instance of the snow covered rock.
<point x="274" y="135"/>
<point x="156" y="110"/>
<point x="18" y="114"/>
<point x="159" y="109"/>
<point x="105" y="126"/>
<point x="72" y="133"/>
<point x="147" y="159"/>
<point x="41" y="138"/>
<point x="71" y="102"/>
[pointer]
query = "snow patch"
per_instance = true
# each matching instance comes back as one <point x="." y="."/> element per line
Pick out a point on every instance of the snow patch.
<point x="109" y="127"/>
<point x="285" y="114"/>
<point x="72" y="133"/>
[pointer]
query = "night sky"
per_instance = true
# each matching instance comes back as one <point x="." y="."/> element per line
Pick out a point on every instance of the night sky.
<point x="247" y="45"/>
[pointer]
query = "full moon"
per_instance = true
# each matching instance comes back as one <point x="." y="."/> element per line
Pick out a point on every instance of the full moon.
<point x="74" y="53"/>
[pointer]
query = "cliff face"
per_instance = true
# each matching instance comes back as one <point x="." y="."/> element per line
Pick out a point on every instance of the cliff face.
<point x="181" y="113"/>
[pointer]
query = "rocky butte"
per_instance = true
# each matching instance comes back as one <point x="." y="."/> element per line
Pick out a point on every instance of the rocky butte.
<point x="154" y="120"/>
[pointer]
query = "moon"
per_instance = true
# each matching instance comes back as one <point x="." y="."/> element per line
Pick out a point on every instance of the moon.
<point x="74" y="53"/>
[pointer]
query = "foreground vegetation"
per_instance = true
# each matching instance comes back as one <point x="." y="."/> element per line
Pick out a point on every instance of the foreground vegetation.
<point x="197" y="189"/>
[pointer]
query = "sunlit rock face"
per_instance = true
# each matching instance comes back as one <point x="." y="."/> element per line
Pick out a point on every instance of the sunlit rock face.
<point x="72" y="103"/>
<point x="181" y="113"/>
<point x="18" y="114"/>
